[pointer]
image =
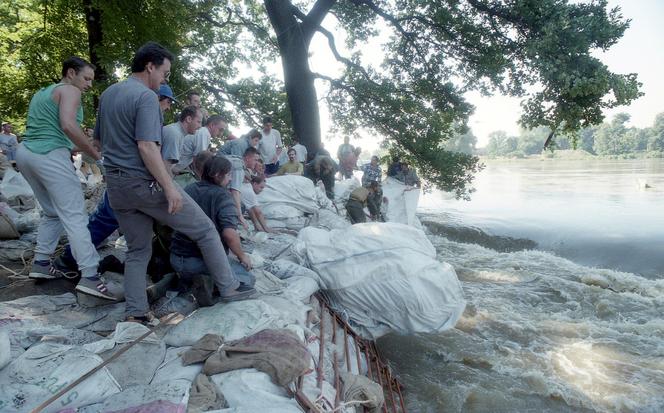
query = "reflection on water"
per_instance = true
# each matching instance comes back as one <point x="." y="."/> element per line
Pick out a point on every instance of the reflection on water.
<point x="596" y="213"/>
<point x="542" y="333"/>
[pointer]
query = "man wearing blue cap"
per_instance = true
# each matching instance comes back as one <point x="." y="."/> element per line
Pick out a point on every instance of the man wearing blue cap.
<point x="166" y="98"/>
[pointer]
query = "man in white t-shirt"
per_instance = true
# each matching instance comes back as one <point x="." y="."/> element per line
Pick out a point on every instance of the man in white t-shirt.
<point x="250" y="201"/>
<point x="270" y="146"/>
<point x="300" y="151"/>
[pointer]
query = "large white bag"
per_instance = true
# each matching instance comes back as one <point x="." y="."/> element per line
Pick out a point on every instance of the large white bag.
<point x="385" y="276"/>
<point x="401" y="203"/>
<point x="45" y="369"/>
<point x="292" y="190"/>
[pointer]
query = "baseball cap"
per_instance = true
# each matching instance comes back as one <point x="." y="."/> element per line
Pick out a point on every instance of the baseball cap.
<point x="165" y="91"/>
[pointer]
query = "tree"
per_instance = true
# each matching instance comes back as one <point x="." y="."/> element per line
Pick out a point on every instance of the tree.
<point x="656" y="134"/>
<point x="486" y="45"/>
<point x="463" y="142"/>
<point x="615" y="138"/>
<point x="434" y="51"/>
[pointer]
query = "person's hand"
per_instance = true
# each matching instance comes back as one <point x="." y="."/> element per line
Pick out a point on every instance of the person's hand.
<point x="246" y="262"/>
<point x="174" y="198"/>
<point x="244" y="223"/>
<point x="274" y="159"/>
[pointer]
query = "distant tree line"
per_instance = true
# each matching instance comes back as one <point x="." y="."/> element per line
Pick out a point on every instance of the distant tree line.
<point x="612" y="138"/>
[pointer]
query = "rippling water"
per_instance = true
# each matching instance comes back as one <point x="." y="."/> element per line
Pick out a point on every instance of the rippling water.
<point x="551" y="324"/>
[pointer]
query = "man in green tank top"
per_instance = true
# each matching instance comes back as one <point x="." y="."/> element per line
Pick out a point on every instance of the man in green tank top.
<point x="44" y="158"/>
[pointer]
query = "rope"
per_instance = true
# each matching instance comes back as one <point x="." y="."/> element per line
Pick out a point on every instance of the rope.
<point x="81" y="379"/>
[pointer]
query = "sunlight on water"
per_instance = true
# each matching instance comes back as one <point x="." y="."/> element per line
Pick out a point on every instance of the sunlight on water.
<point x="540" y="333"/>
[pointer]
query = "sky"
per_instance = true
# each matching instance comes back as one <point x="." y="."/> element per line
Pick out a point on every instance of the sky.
<point x="640" y="50"/>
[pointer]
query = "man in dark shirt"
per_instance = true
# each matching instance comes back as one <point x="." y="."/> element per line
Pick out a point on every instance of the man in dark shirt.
<point x="216" y="201"/>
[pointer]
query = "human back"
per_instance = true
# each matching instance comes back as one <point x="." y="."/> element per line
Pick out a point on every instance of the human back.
<point x="128" y="112"/>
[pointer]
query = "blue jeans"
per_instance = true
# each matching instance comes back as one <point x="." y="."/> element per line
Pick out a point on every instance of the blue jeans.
<point x="187" y="267"/>
<point x="101" y="224"/>
<point x="271" y="168"/>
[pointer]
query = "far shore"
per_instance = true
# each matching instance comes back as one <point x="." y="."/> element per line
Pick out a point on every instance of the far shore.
<point x="572" y="155"/>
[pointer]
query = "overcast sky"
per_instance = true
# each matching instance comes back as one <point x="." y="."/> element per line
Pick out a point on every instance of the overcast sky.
<point x="641" y="51"/>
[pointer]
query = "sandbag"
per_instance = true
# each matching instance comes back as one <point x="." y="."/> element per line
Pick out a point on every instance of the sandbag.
<point x="249" y="390"/>
<point x="26" y="320"/>
<point x="166" y="397"/>
<point x="385" y="276"/>
<point x="231" y="321"/>
<point x="342" y="189"/>
<point x="402" y="205"/>
<point x="173" y="369"/>
<point x="329" y="220"/>
<point x="286" y="269"/>
<point x="45" y="369"/>
<point x="16" y="250"/>
<point x="14" y="185"/>
<point x="138" y="365"/>
<point x="292" y="190"/>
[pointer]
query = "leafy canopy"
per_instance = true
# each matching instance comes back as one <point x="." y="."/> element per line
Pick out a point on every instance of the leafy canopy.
<point x="433" y="51"/>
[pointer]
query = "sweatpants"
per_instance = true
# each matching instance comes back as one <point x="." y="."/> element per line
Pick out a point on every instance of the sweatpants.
<point x="136" y="203"/>
<point x="53" y="179"/>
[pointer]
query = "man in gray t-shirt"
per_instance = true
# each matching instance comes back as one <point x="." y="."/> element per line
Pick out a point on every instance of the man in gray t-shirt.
<point x="139" y="187"/>
<point x="130" y="113"/>
<point x="174" y="134"/>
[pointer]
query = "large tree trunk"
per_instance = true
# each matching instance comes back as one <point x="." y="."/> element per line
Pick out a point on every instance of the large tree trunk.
<point x="298" y="79"/>
<point x="93" y="24"/>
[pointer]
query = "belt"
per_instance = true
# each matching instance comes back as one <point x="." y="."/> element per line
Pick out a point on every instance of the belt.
<point x="118" y="172"/>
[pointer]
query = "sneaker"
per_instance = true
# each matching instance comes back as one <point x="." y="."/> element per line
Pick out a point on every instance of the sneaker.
<point x="148" y="320"/>
<point x="95" y="287"/>
<point x="242" y="292"/>
<point x="43" y="270"/>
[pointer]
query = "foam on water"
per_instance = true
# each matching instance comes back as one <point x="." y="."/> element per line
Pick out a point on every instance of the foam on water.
<point x="540" y="333"/>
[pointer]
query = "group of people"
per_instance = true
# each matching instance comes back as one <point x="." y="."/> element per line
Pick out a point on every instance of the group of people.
<point x="157" y="176"/>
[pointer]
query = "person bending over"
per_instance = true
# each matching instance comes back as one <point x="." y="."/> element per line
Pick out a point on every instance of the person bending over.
<point x="211" y="195"/>
<point x="250" y="202"/>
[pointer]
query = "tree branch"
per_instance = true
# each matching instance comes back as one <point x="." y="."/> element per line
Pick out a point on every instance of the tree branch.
<point x="315" y="17"/>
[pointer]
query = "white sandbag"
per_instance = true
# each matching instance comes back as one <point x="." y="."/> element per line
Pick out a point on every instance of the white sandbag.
<point x="167" y="397"/>
<point x="342" y="189"/>
<point x="16" y="250"/>
<point x="232" y="321"/>
<point x="286" y="269"/>
<point x="329" y="220"/>
<point x="295" y="191"/>
<point x="321" y="198"/>
<point x="45" y="369"/>
<point x="273" y="246"/>
<point x="14" y="185"/>
<point x="292" y="223"/>
<point x="172" y="368"/>
<point x="138" y="365"/>
<point x="280" y="211"/>
<point x="402" y="204"/>
<point x="5" y="349"/>
<point x="300" y="288"/>
<point x="385" y="276"/>
<point x="27" y="319"/>
<point x="249" y="390"/>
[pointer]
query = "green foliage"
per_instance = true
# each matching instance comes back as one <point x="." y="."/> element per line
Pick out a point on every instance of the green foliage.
<point x="614" y="139"/>
<point x="436" y="51"/>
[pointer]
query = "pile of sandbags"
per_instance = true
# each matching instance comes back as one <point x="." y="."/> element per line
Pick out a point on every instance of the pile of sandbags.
<point x="385" y="276"/>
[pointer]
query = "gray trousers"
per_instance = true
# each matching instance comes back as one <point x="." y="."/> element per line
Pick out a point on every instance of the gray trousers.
<point x="136" y="204"/>
<point x="53" y="179"/>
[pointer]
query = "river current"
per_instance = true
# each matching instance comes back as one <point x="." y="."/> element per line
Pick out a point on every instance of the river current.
<point x="562" y="269"/>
